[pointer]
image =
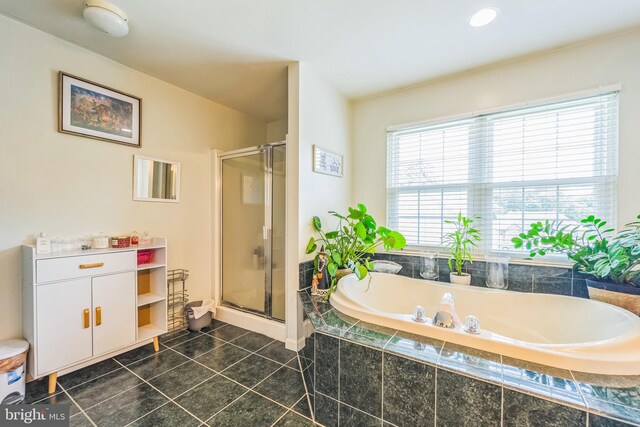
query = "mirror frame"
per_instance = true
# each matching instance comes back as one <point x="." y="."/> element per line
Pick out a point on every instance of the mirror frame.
<point x="136" y="158"/>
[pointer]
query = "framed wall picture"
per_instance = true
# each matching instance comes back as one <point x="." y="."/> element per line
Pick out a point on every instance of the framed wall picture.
<point x="94" y="111"/>
<point x="326" y="162"/>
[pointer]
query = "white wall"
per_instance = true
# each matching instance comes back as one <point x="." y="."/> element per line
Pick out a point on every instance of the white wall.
<point x="67" y="185"/>
<point x="324" y="121"/>
<point x="318" y="114"/>
<point x="573" y="69"/>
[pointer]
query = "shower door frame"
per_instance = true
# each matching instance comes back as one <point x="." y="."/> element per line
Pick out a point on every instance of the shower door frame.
<point x="267" y="228"/>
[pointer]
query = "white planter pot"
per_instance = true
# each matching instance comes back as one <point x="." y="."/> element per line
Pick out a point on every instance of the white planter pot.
<point x="465" y="279"/>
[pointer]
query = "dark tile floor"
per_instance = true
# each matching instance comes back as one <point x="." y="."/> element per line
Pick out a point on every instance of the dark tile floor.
<point x="222" y="376"/>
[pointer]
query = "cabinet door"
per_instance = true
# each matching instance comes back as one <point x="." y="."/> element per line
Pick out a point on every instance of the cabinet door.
<point x="63" y="318"/>
<point x="114" y="312"/>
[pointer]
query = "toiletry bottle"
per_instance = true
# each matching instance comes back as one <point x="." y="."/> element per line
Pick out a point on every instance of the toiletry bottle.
<point x="43" y="244"/>
<point x="134" y="238"/>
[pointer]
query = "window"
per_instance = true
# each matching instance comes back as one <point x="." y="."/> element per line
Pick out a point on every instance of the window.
<point x="555" y="161"/>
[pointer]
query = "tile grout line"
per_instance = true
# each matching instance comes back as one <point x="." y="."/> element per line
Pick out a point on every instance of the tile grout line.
<point x="236" y="382"/>
<point x="111" y="397"/>
<point x="298" y="413"/>
<point x="76" y="403"/>
<point x="162" y="393"/>
<point x="227" y="405"/>
<point x="84" y="382"/>
<point x="150" y="412"/>
<point x="168" y="370"/>
<point x="281" y="417"/>
<point x="339" y="402"/>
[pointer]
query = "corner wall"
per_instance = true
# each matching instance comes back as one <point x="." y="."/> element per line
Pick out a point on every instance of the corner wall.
<point x="71" y="186"/>
<point x="573" y="69"/>
<point x="318" y="114"/>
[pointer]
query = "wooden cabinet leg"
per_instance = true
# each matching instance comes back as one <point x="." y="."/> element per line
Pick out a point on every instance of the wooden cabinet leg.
<point x="53" y="378"/>
<point x="156" y="346"/>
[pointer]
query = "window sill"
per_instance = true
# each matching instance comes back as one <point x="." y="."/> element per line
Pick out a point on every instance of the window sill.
<point x="559" y="262"/>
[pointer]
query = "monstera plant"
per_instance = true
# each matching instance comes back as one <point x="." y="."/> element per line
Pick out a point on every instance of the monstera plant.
<point x="350" y="245"/>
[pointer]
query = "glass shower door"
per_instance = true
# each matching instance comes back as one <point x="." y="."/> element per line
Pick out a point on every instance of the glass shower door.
<point x="244" y="234"/>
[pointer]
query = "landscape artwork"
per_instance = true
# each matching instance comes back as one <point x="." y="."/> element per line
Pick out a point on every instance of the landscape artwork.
<point x="94" y="111"/>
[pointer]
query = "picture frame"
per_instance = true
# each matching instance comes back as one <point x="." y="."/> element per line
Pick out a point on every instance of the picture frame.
<point x="327" y="162"/>
<point x="88" y="109"/>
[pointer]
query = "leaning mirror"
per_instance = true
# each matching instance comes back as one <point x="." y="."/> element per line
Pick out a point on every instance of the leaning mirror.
<point x="155" y="180"/>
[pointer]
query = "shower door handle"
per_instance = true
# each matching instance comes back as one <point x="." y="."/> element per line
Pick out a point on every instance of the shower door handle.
<point x="265" y="233"/>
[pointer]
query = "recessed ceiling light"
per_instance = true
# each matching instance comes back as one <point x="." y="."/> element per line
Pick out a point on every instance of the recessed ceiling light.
<point x="482" y="17"/>
<point x="106" y="17"/>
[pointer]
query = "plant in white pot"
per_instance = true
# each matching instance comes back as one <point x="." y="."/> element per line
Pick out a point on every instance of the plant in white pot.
<point x="611" y="262"/>
<point x="461" y="242"/>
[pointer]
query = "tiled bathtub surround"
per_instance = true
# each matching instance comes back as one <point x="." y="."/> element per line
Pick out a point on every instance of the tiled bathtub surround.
<point x="361" y="374"/>
<point x="522" y="278"/>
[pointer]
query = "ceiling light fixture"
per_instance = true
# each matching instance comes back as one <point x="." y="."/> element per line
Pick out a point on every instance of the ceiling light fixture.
<point x="482" y="17"/>
<point x="106" y="17"/>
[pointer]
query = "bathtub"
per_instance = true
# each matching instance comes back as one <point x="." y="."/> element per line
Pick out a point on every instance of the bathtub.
<point x="564" y="332"/>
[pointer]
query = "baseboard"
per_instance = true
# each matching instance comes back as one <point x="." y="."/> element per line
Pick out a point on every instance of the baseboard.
<point x="270" y="328"/>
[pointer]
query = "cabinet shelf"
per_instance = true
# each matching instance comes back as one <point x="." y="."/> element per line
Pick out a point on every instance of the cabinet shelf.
<point x="149" y="331"/>
<point x="149" y="298"/>
<point x="150" y="266"/>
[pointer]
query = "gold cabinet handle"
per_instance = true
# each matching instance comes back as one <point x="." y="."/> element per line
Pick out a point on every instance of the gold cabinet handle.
<point x="94" y="265"/>
<point x="87" y="323"/>
<point x="98" y="316"/>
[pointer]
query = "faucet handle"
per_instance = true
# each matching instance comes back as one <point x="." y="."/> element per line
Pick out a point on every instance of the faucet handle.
<point x="472" y="325"/>
<point x="419" y="314"/>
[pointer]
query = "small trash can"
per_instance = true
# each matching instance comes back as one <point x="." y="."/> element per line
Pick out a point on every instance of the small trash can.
<point x="195" y="324"/>
<point x="13" y="356"/>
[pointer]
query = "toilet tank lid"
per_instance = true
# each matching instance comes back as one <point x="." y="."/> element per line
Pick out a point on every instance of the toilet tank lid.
<point x="10" y="348"/>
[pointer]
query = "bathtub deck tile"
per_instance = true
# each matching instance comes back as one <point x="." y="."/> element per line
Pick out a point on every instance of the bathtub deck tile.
<point x="418" y="347"/>
<point x="556" y="285"/>
<point x="552" y="383"/>
<point x="335" y="319"/>
<point x="624" y="413"/>
<point x="369" y="334"/>
<point x="617" y="390"/>
<point x="477" y="363"/>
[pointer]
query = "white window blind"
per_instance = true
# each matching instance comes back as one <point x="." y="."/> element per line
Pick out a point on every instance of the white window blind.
<point x="556" y="161"/>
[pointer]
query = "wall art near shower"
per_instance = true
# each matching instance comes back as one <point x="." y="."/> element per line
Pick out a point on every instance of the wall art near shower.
<point x="326" y="162"/>
<point x="95" y="111"/>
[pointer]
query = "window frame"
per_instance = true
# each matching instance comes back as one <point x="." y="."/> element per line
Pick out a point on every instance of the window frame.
<point x="482" y="203"/>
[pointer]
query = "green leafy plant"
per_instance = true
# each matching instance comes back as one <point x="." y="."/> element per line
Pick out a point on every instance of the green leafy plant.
<point x="593" y="248"/>
<point x="461" y="242"/>
<point x="350" y="245"/>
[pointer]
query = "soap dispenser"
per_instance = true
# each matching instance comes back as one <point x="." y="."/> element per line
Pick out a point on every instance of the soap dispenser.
<point x="43" y="244"/>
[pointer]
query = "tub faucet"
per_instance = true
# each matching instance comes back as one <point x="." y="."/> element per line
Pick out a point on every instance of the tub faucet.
<point x="446" y="316"/>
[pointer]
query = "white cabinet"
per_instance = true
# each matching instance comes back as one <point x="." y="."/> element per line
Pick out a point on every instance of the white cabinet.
<point x="86" y="306"/>
<point x="63" y="323"/>
<point x="114" y="312"/>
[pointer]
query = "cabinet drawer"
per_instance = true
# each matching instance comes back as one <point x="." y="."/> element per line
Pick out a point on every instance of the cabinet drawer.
<point x="54" y="269"/>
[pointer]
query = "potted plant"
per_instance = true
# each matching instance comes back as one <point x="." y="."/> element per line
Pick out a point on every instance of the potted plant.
<point x="611" y="261"/>
<point x="460" y="242"/>
<point x="349" y="246"/>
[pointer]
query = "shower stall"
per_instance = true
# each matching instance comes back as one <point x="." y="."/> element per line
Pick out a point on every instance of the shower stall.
<point x="253" y="230"/>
